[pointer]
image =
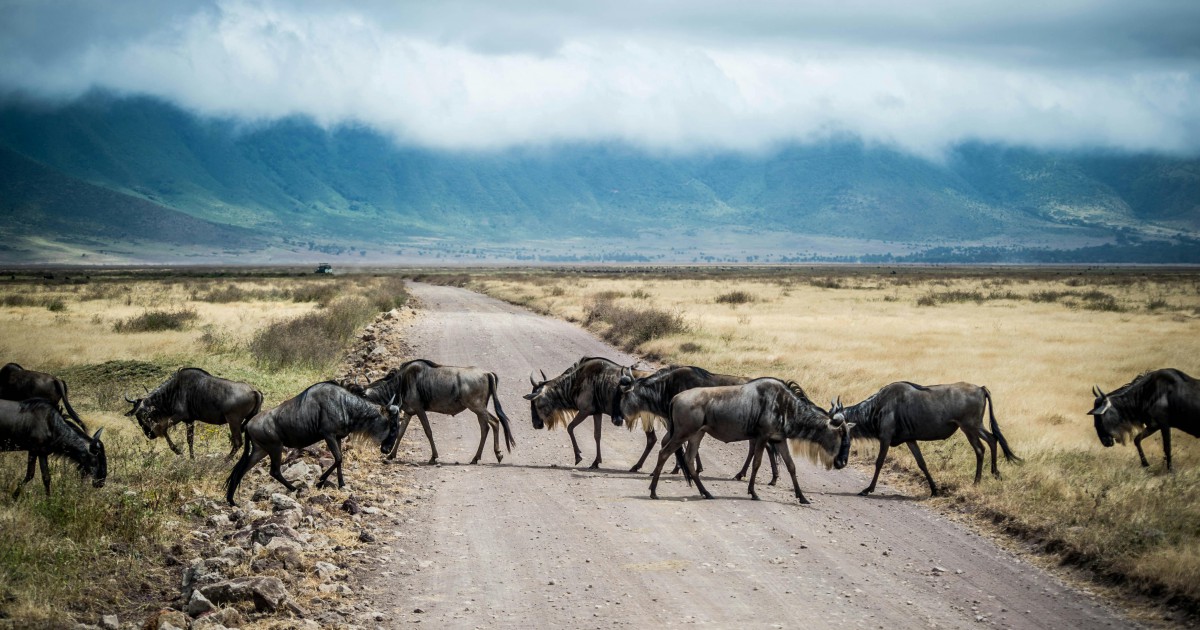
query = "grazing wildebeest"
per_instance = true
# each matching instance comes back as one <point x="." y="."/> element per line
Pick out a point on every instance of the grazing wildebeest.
<point x="906" y="413"/>
<point x="421" y="386"/>
<point x="324" y="411"/>
<point x="651" y="396"/>
<point x="764" y="410"/>
<point x="588" y="388"/>
<point x="35" y="425"/>
<point x="17" y="383"/>
<point x="191" y="395"/>
<point x="1160" y="400"/>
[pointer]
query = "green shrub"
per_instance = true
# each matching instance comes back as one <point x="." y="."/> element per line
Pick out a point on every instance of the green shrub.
<point x="151" y="321"/>
<point x="313" y="340"/>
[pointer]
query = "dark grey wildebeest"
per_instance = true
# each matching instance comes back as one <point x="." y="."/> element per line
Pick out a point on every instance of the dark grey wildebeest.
<point x="648" y="398"/>
<point x="192" y="395"/>
<point x="764" y="411"/>
<point x="1160" y="400"/>
<point x="36" y="426"/>
<point x="588" y="388"/>
<point x="906" y="413"/>
<point x="421" y="386"/>
<point x="325" y="411"/>
<point x="17" y="383"/>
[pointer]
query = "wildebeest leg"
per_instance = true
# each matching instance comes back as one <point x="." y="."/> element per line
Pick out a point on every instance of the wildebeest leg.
<point x="336" y="449"/>
<point x="235" y="436"/>
<point x="276" y="454"/>
<point x="28" y="475"/>
<point x="693" y="448"/>
<point x="428" y="434"/>
<point x="166" y="433"/>
<point x="1137" y="441"/>
<point x="494" y="423"/>
<point x="697" y="465"/>
<point x="746" y="464"/>
<point x="400" y="436"/>
<point x="483" y="432"/>
<point x="916" y="451"/>
<point x="786" y="454"/>
<point x="45" y="466"/>
<point x="596" y="418"/>
<point x="1166" y="431"/>
<point x="191" y="436"/>
<point x="240" y="469"/>
<point x="756" y="449"/>
<point x="991" y="441"/>
<point x="668" y="448"/>
<point x="978" y="446"/>
<point x="883" y="449"/>
<point x="571" y="432"/>
<point x="650" y="439"/>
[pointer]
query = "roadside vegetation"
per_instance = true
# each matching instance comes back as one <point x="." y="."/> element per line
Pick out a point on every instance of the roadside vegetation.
<point x="83" y="551"/>
<point x="1038" y="339"/>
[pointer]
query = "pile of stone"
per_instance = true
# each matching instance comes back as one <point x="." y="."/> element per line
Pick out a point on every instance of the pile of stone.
<point x="379" y="346"/>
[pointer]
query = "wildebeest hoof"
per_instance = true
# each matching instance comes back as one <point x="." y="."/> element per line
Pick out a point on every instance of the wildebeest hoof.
<point x="594" y="466"/>
<point x="804" y="501"/>
<point x="864" y="492"/>
<point x="320" y="484"/>
<point x="933" y="492"/>
<point x="432" y="461"/>
<point x="635" y="469"/>
<point x="739" y="477"/>
<point x="708" y="495"/>
<point x="754" y="497"/>
<point x="578" y="459"/>
<point x="653" y="496"/>
<point x="772" y="482"/>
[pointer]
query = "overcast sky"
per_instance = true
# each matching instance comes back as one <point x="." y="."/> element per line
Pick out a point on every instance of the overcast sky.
<point x="675" y="76"/>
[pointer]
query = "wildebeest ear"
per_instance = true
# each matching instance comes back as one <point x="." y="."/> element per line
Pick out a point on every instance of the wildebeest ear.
<point x="528" y="397"/>
<point x="1105" y="403"/>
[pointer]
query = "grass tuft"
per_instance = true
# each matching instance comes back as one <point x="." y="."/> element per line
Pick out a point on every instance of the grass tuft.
<point x="154" y="321"/>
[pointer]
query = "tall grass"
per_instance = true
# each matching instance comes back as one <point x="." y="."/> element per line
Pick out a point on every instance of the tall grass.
<point x="154" y="321"/>
<point x="315" y="340"/>
<point x="630" y="327"/>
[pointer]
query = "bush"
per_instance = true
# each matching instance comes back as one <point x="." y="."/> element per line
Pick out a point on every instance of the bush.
<point x="390" y="294"/>
<point x="631" y="327"/>
<point x="734" y="297"/>
<point x="321" y="293"/>
<point x="151" y="321"/>
<point x="56" y="305"/>
<point x="314" y="340"/>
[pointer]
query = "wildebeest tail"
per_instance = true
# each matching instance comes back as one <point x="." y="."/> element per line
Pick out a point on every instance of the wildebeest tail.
<point x="493" y="385"/>
<point x="242" y="465"/>
<point x="258" y="399"/>
<point x="61" y="387"/>
<point x="1008" y="453"/>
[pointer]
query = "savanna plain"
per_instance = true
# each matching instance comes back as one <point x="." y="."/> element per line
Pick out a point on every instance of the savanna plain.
<point x="1039" y="339"/>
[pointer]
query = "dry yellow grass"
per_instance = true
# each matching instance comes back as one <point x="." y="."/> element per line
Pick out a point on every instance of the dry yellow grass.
<point x="849" y="333"/>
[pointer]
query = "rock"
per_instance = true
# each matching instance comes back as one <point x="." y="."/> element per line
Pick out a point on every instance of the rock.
<point x="218" y="520"/>
<point x="325" y="571"/>
<point x="280" y="553"/>
<point x="225" y="617"/>
<point x="338" y="589"/>
<point x="204" y="572"/>
<point x="366" y="536"/>
<point x="235" y="554"/>
<point x="167" y="619"/>
<point x="350" y="506"/>
<point x="110" y="622"/>
<point x="320" y="499"/>
<point x="261" y="493"/>
<point x="379" y="351"/>
<point x="267" y="593"/>
<point x="263" y="533"/>
<point x="282" y="502"/>
<point x="298" y="470"/>
<point x="199" y="604"/>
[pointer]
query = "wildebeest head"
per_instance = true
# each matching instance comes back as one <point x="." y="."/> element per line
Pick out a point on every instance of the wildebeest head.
<point x="537" y="398"/>
<point x="393" y="426"/>
<point x="837" y="415"/>
<point x="632" y="397"/>
<point x="95" y="462"/>
<point x="144" y="412"/>
<point x="1111" y="426"/>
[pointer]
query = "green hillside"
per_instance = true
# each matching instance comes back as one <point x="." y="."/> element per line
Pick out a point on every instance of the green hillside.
<point x="181" y="177"/>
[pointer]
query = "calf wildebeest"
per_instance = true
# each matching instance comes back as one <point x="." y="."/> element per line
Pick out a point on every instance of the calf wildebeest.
<point x="191" y="395"/>
<point x="325" y="411"/>
<point x="588" y="388"/>
<point x="421" y="385"/>
<point x="1160" y="400"/>
<point x="651" y="395"/>
<point x="765" y="410"/>
<point x="906" y="413"/>
<point x="17" y="383"/>
<point x="36" y="426"/>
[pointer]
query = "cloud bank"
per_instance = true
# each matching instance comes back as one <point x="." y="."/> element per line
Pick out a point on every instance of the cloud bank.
<point x="676" y="77"/>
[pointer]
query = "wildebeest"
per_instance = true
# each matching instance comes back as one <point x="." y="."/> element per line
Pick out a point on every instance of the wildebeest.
<point x="1160" y="400"/>
<point x="421" y="385"/>
<point x="906" y="413"/>
<point x="588" y="388"/>
<point x="764" y="411"/>
<point x="36" y="426"/>
<point x="325" y="411"/>
<point x="651" y="396"/>
<point x="17" y="383"/>
<point x="191" y="395"/>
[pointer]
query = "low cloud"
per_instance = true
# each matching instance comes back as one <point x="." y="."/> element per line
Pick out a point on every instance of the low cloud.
<point x="684" y="77"/>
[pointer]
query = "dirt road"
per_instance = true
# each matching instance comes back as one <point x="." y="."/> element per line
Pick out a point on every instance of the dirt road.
<point x="537" y="542"/>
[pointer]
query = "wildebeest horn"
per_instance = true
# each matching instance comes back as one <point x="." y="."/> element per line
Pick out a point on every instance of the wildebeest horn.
<point x="1097" y="391"/>
<point x="392" y="401"/>
<point x="132" y="402"/>
<point x="543" y="373"/>
<point x="96" y="437"/>
<point x="532" y="380"/>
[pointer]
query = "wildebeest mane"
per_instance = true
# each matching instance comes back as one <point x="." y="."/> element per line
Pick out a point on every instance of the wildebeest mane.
<point x="561" y="391"/>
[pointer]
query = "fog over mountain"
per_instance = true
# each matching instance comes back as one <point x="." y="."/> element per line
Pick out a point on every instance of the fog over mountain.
<point x="856" y="127"/>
